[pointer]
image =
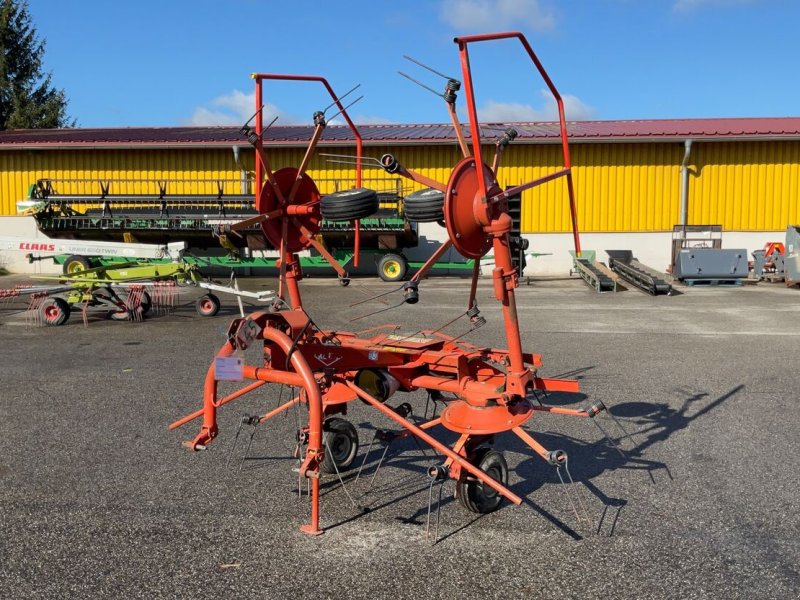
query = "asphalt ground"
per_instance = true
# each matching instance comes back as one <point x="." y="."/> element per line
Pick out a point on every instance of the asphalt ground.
<point x="98" y="499"/>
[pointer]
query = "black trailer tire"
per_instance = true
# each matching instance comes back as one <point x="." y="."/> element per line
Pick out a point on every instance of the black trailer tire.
<point x="341" y="445"/>
<point x="424" y="206"/>
<point x="75" y="264"/>
<point x="473" y="494"/>
<point x="55" y="312"/>
<point x="392" y="267"/>
<point x="208" y="305"/>
<point x="349" y="205"/>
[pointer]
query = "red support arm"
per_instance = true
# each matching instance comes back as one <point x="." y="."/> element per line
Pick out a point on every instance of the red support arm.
<point x="463" y="42"/>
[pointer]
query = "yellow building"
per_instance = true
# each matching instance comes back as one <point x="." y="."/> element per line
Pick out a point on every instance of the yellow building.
<point x="630" y="176"/>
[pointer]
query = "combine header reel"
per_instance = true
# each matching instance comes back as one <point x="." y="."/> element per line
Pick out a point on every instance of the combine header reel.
<point x="485" y="391"/>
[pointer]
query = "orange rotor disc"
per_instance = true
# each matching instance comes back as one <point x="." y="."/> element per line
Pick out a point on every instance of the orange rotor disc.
<point x="465" y="210"/>
<point x="307" y="193"/>
<point x="485" y="420"/>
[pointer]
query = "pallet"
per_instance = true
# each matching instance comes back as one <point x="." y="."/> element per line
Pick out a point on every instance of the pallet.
<point x="724" y="282"/>
<point x="773" y="277"/>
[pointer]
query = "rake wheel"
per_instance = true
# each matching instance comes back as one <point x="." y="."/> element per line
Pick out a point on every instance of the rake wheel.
<point x="341" y="445"/>
<point x="475" y="495"/>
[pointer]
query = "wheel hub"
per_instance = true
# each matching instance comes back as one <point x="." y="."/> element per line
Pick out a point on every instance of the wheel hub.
<point x="340" y="447"/>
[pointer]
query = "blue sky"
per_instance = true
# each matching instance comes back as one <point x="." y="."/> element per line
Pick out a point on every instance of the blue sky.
<point x="181" y="62"/>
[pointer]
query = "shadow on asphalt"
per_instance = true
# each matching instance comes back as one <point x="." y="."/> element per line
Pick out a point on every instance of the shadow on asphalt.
<point x="643" y="425"/>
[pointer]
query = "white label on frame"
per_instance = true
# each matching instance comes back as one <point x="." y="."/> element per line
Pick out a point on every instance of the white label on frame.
<point x="228" y="368"/>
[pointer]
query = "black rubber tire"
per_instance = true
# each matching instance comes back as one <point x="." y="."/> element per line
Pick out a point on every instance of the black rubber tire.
<point x="55" y="312"/>
<point x="474" y="495"/>
<point x="147" y="303"/>
<point x="341" y="445"/>
<point x="120" y="313"/>
<point x="349" y="205"/>
<point x="75" y="264"/>
<point x="108" y="294"/>
<point x="392" y="267"/>
<point x="424" y="206"/>
<point x="207" y="306"/>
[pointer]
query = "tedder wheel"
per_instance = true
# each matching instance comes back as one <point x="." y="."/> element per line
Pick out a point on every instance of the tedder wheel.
<point x="55" y="311"/>
<point x="341" y="445"/>
<point x="208" y="305"/>
<point x="349" y="205"/>
<point x="75" y="264"/>
<point x="392" y="267"/>
<point x="476" y="496"/>
<point x="424" y="206"/>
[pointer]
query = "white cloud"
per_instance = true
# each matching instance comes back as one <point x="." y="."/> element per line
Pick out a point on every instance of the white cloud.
<point x="507" y="112"/>
<point x="203" y="116"/>
<point x="368" y="120"/>
<point x="690" y="5"/>
<point x="235" y="109"/>
<point x="497" y="15"/>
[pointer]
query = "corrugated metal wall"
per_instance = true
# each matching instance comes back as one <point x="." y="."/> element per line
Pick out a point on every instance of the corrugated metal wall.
<point x="18" y="170"/>
<point x="747" y="186"/>
<point x="81" y="171"/>
<point x="435" y="162"/>
<point x="619" y="187"/>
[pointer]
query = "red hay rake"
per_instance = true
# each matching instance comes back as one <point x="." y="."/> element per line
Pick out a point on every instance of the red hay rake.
<point x="485" y="391"/>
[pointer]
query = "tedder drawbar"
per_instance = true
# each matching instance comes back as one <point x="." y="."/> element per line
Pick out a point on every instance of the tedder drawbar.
<point x="485" y="391"/>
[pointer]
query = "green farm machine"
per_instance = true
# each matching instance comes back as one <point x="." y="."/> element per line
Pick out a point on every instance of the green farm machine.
<point x="200" y="213"/>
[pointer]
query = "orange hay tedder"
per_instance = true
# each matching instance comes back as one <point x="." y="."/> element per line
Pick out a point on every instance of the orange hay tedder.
<point x="486" y="391"/>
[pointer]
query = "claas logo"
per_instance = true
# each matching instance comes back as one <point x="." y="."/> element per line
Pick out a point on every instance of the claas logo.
<point x="37" y="246"/>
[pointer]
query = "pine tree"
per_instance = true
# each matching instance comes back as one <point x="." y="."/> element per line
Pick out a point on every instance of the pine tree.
<point x="27" y="98"/>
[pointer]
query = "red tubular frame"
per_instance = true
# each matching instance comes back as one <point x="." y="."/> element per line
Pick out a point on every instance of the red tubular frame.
<point x="463" y="42"/>
<point x="237" y="394"/>
<point x="488" y="398"/>
<point x="436" y="445"/>
<point x="259" y="78"/>
<point x="303" y="377"/>
<point x="497" y="225"/>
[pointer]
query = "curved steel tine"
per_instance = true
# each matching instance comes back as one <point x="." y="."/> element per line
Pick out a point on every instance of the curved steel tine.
<point x="422" y="85"/>
<point x="339" y="476"/>
<point x="342" y="97"/>
<point x="377" y="296"/>
<point x="377" y="312"/>
<point x="424" y="66"/>
<point x="346" y="107"/>
<point x="352" y="160"/>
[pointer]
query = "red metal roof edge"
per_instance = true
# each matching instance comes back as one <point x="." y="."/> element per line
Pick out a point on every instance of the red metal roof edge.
<point x="618" y="130"/>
